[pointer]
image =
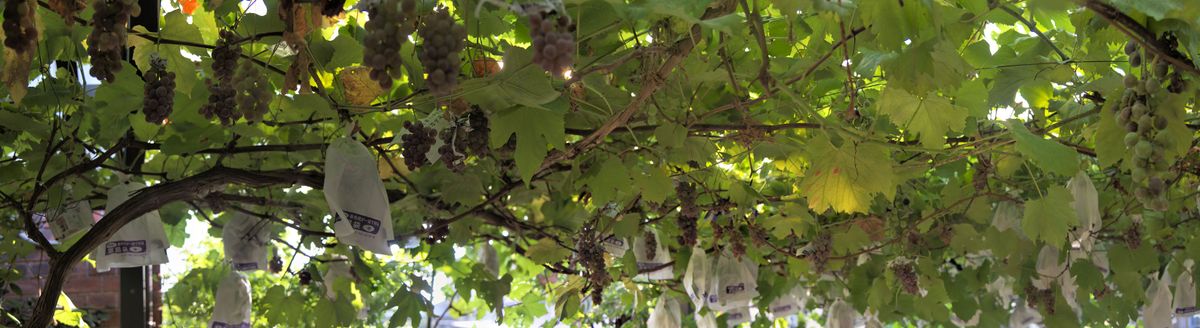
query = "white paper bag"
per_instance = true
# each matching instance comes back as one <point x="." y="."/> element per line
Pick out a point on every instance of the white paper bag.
<point x="659" y="264"/>
<point x="615" y="246"/>
<point x="337" y="270"/>
<point x="1006" y="216"/>
<point x="785" y="305"/>
<point x="695" y="279"/>
<point x="1158" y="311"/>
<point x="1087" y="209"/>
<point x="71" y="219"/>
<point x="231" y="307"/>
<point x="1185" y="292"/>
<point x="357" y="199"/>
<point x="489" y="259"/>
<point x="841" y="315"/>
<point x="1048" y="267"/>
<point x="1023" y="316"/>
<point x="666" y="314"/>
<point x="706" y="320"/>
<point x="736" y="285"/>
<point x="141" y="242"/>
<point x="245" y="239"/>
<point x="738" y="316"/>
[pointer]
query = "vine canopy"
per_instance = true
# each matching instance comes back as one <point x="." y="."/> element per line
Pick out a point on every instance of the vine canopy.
<point x="586" y="162"/>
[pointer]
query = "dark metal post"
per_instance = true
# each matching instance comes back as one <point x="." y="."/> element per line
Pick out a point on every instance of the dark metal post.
<point x="136" y="299"/>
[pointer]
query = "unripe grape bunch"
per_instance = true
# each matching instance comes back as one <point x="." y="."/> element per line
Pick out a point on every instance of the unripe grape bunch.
<point x="1145" y="124"/>
<point x="553" y="38"/>
<point x="253" y="91"/>
<point x="390" y="24"/>
<point x="441" y="40"/>
<point x="107" y="41"/>
<point x="159" y="94"/>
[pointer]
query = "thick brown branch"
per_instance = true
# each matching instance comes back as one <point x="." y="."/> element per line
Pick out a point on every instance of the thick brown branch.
<point x="259" y="149"/>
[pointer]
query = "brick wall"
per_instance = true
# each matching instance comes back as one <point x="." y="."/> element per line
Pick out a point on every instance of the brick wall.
<point x="86" y="287"/>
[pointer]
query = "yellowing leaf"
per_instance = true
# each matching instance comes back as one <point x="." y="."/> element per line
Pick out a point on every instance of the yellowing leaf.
<point x="1050" y="217"/>
<point x="16" y="73"/>
<point x="846" y="178"/>
<point x="930" y="117"/>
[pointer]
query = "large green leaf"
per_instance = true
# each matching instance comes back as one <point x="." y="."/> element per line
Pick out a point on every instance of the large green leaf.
<point x="930" y="116"/>
<point x="1050" y="217"/>
<point x="1049" y="155"/>
<point x="846" y="178"/>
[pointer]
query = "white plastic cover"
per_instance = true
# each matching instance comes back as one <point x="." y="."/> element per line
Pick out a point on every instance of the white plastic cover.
<point x="1185" y="291"/>
<point x="245" y="239"/>
<point x="356" y="197"/>
<point x="666" y="314"/>
<point x="660" y="262"/>
<point x="70" y="219"/>
<point x="1006" y="216"/>
<point x="489" y="258"/>
<point x="141" y="242"/>
<point x="695" y="279"/>
<point x="232" y="302"/>
<point x="787" y="304"/>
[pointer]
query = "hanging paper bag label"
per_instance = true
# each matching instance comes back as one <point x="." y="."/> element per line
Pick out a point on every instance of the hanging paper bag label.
<point x="232" y="302"/>
<point x="140" y="242"/>
<point x="245" y="241"/>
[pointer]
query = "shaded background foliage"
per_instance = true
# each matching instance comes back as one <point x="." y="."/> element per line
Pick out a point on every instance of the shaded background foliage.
<point x="827" y="140"/>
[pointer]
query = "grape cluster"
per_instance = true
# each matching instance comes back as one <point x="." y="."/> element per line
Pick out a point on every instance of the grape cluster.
<point x="590" y="254"/>
<point x="107" y="41"/>
<point x="253" y="91"/>
<point x="67" y="9"/>
<point x="388" y="29"/>
<point x="333" y="8"/>
<point x="983" y="167"/>
<point x="689" y="213"/>
<point x="454" y="143"/>
<point x="1145" y="125"/>
<point x="651" y="244"/>
<point x="276" y="264"/>
<point x="1040" y="297"/>
<point x="159" y="93"/>
<point x="479" y="132"/>
<point x="438" y="231"/>
<point x="553" y="39"/>
<point x="221" y="100"/>
<point x="1133" y="236"/>
<point x="906" y="274"/>
<point x="416" y="144"/>
<point x="20" y="32"/>
<point x="441" y="40"/>
<point x="818" y="251"/>
<point x="305" y="278"/>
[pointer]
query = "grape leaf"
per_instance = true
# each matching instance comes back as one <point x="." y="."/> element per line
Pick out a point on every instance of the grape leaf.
<point x="846" y="178"/>
<point x="1049" y="155"/>
<point x="546" y="250"/>
<point x="536" y="130"/>
<point x="930" y="116"/>
<point x="1050" y="217"/>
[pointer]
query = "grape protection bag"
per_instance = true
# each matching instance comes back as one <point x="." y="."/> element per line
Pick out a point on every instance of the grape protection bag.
<point x="695" y="279"/>
<point x="736" y="284"/>
<point x="841" y="315"/>
<point x="70" y="219"/>
<point x="1185" y="291"/>
<point x="141" y="242"/>
<point x="1158" y="309"/>
<point x="245" y="239"/>
<point x="787" y="304"/>
<point x="666" y="314"/>
<point x="231" y="308"/>
<point x="615" y="246"/>
<point x="706" y="320"/>
<point x="356" y="197"/>
<point x="653" y="259"/>
<point x="737" y="316"/>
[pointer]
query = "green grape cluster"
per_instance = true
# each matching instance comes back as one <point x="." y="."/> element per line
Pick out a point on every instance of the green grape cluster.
<point x="20" y="32"/>
<point x="159" y="94"/>
<point x="441" y="40"/>
<point x="222" y="102"/>
<point x="389" y="27"/>
<point x="107" y="41"/>
<point x="253" y="91"/>
<point x="1145" y="137"/>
